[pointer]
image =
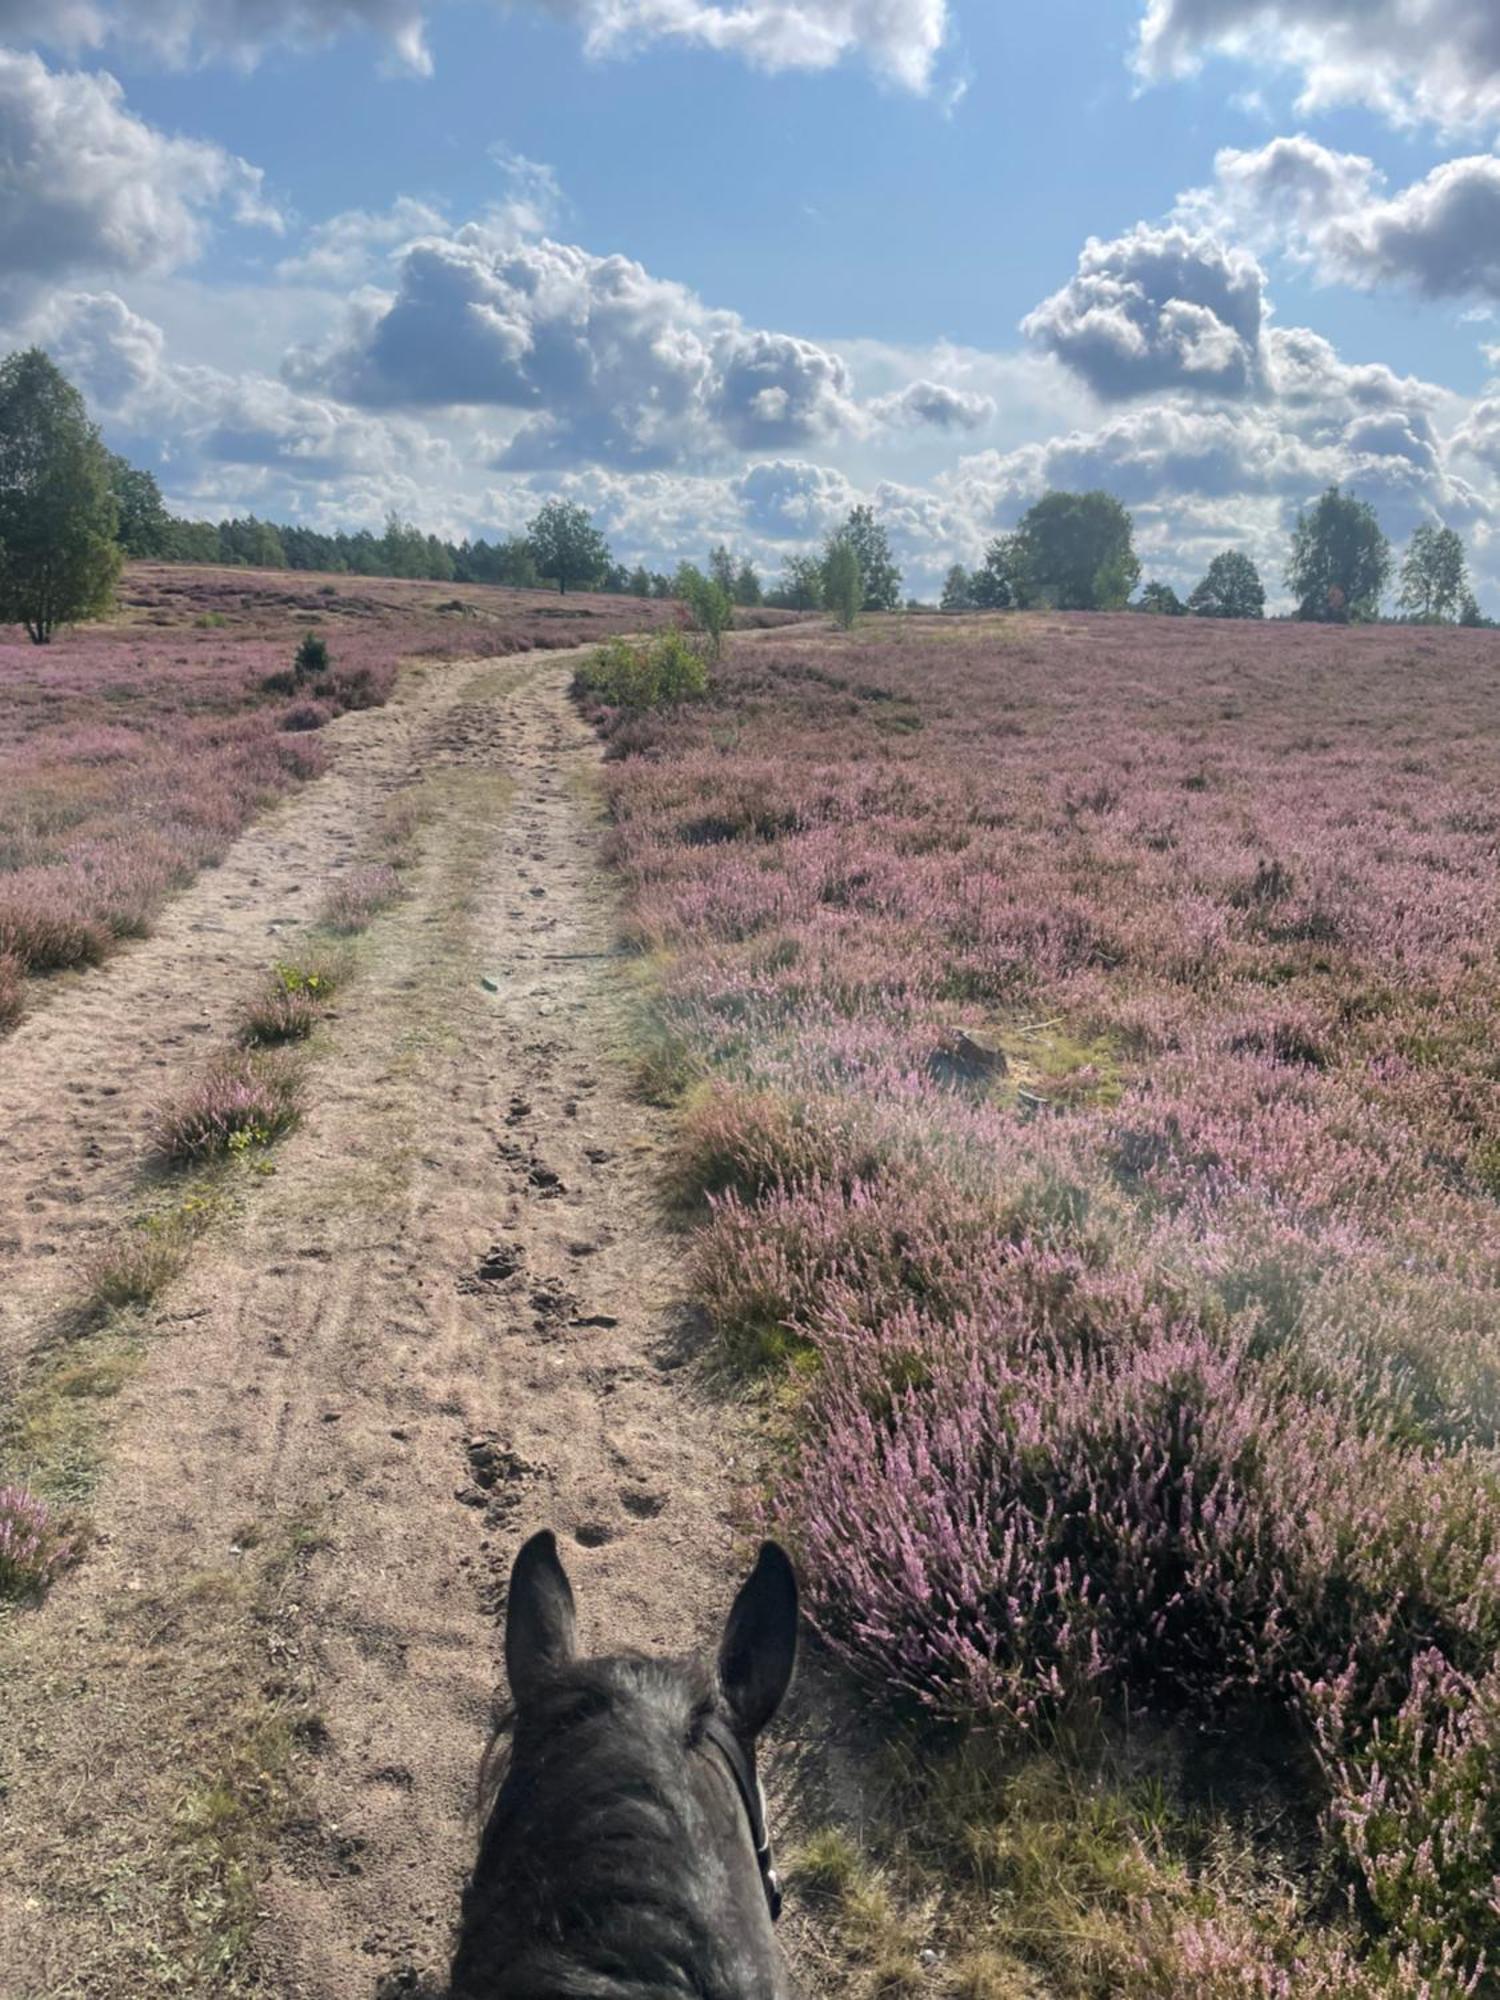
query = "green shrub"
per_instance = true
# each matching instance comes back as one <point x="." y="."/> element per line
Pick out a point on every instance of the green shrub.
<point x="668" y="670"/>
<point x="312" y="657"/>
<point x="709" y="605"/>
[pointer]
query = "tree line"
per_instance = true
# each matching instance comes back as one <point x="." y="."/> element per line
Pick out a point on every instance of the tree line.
<point x="1076" y="552"/>
<point x="71" y="511"/>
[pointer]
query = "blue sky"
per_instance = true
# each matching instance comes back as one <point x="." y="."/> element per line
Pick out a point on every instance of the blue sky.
<point x="324" y="257"/>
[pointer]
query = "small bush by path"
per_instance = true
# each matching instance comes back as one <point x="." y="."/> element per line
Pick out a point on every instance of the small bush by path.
<point x="243" y="1100"/>
<point x="644" y="674"/>
<point x="358" y="897"/>
<point x="278" y="1017"/>
<point x="12" y="990"/>
<point x="33" y="1547"/>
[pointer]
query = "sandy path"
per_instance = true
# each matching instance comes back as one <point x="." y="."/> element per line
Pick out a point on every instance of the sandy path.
<point x="80" y="1075"/>
<point x="447" y="1319"/>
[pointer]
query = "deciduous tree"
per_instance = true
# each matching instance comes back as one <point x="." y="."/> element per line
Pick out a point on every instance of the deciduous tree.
<point x="802" y="583"/>
<point x="709" y="604"/>
<point x="144" y="527"/>
<point x="1000" y="581"/>
<point x="1341" y="561"/>
<point x="59" y="558"/>
<point x="1078" y="551"/>
<point x="566" y="546"/>
<point x="1435" y="574"/>
<point x="958" y="590"/>
<point x="880" y="580"/>
<point x="1231" y="589"/>
<point x="843" y="582"/>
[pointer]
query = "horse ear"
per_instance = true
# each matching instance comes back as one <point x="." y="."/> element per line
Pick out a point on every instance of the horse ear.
<point x="539" y="1623"/>
<point x="759" y="1647"/>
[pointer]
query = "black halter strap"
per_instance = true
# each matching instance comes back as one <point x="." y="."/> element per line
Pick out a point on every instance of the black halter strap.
<point x="729" y="1747"/>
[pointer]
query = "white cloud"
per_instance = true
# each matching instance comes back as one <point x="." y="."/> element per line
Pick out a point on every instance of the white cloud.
<point x="278" y="438"/>
<point x="1440" y="236"/>
<point x="349" y="249"/>
<point x="87" y="187"/>
<point x="792" y="501"/>
<point x="937" y="404"/>
<point x="899" y="39"/>
<point x="606" y="363"/>
<point x="1158" y="308"/>
<point x="1435" y="61"/>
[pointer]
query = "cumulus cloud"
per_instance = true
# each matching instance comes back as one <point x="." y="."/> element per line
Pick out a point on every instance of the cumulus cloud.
<point x="900" y="39"/>
<point x="1158" y="308"/>
<point x="1478" y="437"/>
<point x="310" y="450"/>
<point x="1437" y="61"/>
<point x="1440" y="236"/>
<point x="790" y="500"/>
<point x="86" y="186"/>
<point x="349" y="249"/>
<point x="935" y="404"/>
<point x="609" y="364"/>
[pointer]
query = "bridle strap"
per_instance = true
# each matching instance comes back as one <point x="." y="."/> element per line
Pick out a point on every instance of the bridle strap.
<point x="740" y="1768"/>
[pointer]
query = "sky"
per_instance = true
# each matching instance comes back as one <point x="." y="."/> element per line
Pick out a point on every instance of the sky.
<point x="720" y="269"/>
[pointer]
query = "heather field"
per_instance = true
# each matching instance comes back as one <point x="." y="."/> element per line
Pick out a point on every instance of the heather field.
<point x="132" y="752"/>
<point x="1086" y="1036"/>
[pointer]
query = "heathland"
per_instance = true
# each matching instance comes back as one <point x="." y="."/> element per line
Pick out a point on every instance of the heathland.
<point x="1085" y="1031"/>
<point x="1009" y="1103"/>
<point x="133" y="751"/>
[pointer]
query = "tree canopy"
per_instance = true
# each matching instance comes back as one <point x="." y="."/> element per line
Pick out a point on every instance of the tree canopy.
<point x="144" y="527"/>
<point x="1231" y="589"/>
<point x="1077" y="552"/>
<point x="1341" y="561"/>
<point x="1001" y="579"/>
<point x="59" y="557"/>
<point x="880" y="580"/>
<point x="801" y="587"/>
<point x="1435" y="574"/>
<point x="843" y="582"/>
<point x="566" y="546"/>
<point x="1162" y="601"/>
<point x="958" y="590"/>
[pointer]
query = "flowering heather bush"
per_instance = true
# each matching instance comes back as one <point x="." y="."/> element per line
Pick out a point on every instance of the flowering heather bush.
<point x="358" y="897"/>
<point x="278" y="1016"/>
<point x="32" y="1547"/>
<point x="241" y="1101"/>
<point x="301" y="715"/>
<point x="1416" y="1806"/>
<point x="1160" y="1359"/>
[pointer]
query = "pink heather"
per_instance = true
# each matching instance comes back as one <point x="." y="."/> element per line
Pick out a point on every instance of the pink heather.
<point x="1172" y="1371"/>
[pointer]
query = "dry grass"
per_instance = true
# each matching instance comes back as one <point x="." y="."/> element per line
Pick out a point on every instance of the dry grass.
<point x="1077" y="1873"/>
<point x="138" y="1262"/>
<point x="210" y="1724"/>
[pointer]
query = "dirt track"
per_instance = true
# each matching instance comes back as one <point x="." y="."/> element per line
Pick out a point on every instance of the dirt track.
<point x="447" y="1317"/>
